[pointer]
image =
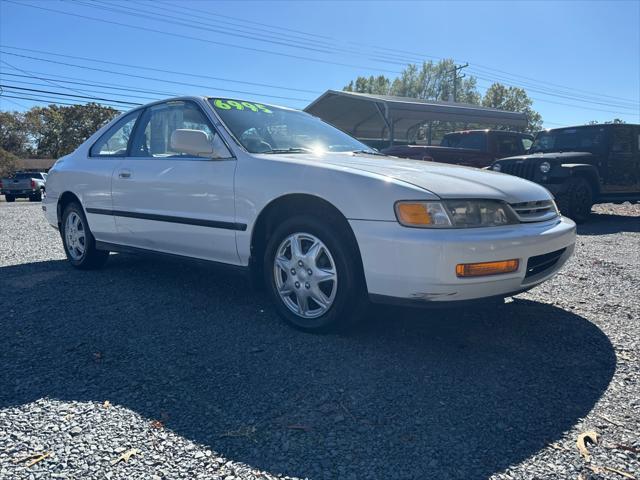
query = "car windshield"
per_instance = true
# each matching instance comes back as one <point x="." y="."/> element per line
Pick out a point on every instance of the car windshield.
<point x="267" y="129"/>
<point x="470" y="140"/>
<point x="588" y="139"/>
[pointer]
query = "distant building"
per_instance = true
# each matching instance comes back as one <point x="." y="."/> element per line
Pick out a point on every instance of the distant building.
<point x="35" y="164"/>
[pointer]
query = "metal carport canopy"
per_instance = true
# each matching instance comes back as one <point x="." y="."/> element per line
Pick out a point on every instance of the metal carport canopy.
<point x="371" y="116"/>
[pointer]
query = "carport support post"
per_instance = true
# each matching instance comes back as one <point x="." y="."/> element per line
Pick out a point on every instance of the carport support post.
<point x="387" y="121"/>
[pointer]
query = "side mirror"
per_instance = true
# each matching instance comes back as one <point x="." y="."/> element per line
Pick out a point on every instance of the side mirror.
<point x="192" y="142"/>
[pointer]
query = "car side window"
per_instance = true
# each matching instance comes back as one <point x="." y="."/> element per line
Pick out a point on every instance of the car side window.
<point x="115" y="140"/>
<point x="508" y="145"/>
<point x="526" y="144"/>
<point x="622" y="140"/>
<point x="159" y="122"/>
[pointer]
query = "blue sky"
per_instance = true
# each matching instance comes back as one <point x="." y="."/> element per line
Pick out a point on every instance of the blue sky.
<point x="580" y="61"/>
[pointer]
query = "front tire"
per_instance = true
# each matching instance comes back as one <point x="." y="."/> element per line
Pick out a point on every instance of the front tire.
<point x="312" y="275"/>
<point x="9" y="198"/>
<point x="577" y="200"/>
<point x="79" y="243"/>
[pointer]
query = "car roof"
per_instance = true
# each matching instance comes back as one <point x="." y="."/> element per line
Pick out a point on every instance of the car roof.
<point x="595" y="125"/>
<point x="206" y="98"/>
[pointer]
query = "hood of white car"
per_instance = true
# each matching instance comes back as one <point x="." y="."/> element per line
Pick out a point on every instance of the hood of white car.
<point x="445" y="181"/>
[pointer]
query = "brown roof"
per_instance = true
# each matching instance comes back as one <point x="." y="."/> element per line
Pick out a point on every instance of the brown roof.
<point x="36" y="164"/>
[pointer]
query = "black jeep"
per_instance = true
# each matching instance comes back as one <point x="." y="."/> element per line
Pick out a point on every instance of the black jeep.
<point x="581" y="166"/>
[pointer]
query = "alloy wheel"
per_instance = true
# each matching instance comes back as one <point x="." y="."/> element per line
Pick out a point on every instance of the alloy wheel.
<point x="75" y="236"/>
<point x="305" y="275"/>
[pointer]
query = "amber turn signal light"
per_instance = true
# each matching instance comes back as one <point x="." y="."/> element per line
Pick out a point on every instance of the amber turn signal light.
<point x="486" y="268"/>
<point x="413" y="214"/>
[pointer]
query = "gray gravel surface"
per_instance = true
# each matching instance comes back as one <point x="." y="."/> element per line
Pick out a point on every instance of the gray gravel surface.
<point x="204" y="381"/>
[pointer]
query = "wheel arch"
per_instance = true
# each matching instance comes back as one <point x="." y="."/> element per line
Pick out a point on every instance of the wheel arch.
<point x="286" y="206"/>
<point x="586" y="171"/>
<point x="65" y="199"/>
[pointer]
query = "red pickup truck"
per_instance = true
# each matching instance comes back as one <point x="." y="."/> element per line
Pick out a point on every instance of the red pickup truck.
<point x="473" y="148"/>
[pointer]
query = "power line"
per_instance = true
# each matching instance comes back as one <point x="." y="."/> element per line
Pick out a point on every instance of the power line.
<point x="110" y="100"/>
<point x="12" y="101"/>
<point x="578" y="106"/>
<point x="267" y="51"/>
<point x="299" y="42"/>
<point x="161" y="70"/>
<point x="559" y="95"/>
<point x="236" y="91"/>
<point x="199" y="39"/>
<point x="165" y="93"/>
<point x="481" y="67"/>
<point x="99" y="84"/>
<point x="28" y="73"/>
<point x="154" y="78"/>
<point x="318" y="38"/>
<point x="52" y="101"/>
<point x="125" y="95"/>
<point x="252" y="22"/>
<point x="235" y="46"/>
<point x="418" y="57"/>
<point x="544" y="92"/>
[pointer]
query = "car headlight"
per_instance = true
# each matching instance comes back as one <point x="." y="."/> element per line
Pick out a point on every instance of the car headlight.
<point x="496" y="167"/>
<point x="455" y="214"/>
<point x="422" y="214"/>
<point x="545" y="167"/>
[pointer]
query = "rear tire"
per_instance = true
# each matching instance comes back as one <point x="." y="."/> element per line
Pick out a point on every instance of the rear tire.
<point x="9" y="198"/>
<point x="577" y="200"/>
<point x="79" y="243"/>
<point x="318" y="286"/>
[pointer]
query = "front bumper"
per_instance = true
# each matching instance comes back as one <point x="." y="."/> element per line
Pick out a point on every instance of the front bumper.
<point x="419" y="264"/>
<point x="50" y="210"/>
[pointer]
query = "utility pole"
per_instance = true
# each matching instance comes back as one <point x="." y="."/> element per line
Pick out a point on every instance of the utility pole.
<point x="455" y="78"/>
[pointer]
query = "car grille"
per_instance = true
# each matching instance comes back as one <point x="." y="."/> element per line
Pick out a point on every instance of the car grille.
<point x="522" y="169"/>
<point x="538" y="211"/>
<point x="542" y="263"/>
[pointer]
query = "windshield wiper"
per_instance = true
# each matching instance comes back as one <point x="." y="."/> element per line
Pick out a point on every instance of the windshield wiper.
<point x="369" y="152"/>
<point x="288" y="150"/>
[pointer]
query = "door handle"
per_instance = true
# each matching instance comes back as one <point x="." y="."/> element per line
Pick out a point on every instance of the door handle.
<point x="124" y="174"/>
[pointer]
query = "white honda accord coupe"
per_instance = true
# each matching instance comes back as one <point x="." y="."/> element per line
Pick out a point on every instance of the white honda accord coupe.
<point x="327" y="223"/>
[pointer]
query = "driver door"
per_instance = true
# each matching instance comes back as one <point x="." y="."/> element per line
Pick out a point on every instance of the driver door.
<point x="173" y="202"/>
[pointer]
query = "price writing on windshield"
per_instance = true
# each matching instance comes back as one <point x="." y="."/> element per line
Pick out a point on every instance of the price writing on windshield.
<point x="248" y="106"/>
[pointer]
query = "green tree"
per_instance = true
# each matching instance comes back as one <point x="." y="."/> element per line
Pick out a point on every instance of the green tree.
<point x="14" y="136"/>
<point x="429" y="81"/>
<point x="58" y="130"/>
<point x="513" y="99"/>
<point x="8" y="162"/>
<point x="434" y="81"/>
<point x="614" y="121"/>
<point x="376" y="85"/>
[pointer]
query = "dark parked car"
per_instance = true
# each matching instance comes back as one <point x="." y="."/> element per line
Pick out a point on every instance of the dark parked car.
<point x="472" y="148"/>
<point x="582" y="166"/>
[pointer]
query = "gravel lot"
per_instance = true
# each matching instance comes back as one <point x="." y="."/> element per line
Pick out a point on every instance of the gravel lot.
<point x="203" y="380"/>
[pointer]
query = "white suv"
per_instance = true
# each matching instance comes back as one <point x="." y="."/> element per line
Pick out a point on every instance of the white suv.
<point x="325" y="221"/>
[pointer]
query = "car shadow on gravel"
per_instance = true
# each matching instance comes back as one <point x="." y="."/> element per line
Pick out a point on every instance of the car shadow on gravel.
<point x="409" y="394"/>
<point x="607" y="224"/>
